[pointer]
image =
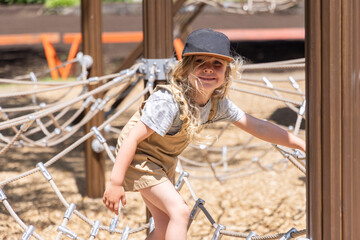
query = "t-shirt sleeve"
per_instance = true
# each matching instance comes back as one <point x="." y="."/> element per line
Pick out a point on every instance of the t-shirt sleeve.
<point x="159" y="111"/>
<point x="228" y="111"/>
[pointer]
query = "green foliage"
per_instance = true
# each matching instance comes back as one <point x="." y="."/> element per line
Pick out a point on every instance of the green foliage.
<point x="61" y="3"/>
<point x="9" y="2"/>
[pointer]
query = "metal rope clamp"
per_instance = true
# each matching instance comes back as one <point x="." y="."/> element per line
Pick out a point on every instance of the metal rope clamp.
<point x="28" y="233"/>
<point x="67" y="232"/>
<point x="294" y="83"/>
<point x="161" y="66"/>
<point x="217" y="235"/>
<point x="69" y="211"/>
<point x="25" y="126"/>
<point x="196" y="208"/>
<point x="102" y="103"/>
<point x="180" y="181"/>
<point x="251" y="234"/>
<point x="115" y="220"/>
<point x="93" y="80"/>
<point x="2" y="195"/>
<point x="95" y="105"/>
<point x="97" y="144"/>
<point x="44" y="171"/>
<point x="95" y="229"/>
<point x="151" y="224"/>
<point x="302" y="108"/>
<point x="125" y="233"/>
<point x="87" y="101"/>
<point x="98" y="135"/>
<point x="287" y="235"/>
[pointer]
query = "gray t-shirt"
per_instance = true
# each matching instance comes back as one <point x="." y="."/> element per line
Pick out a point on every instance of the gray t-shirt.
<point x="161" y="113"/>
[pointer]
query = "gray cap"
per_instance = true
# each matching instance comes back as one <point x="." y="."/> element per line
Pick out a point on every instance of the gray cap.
<point x="209" y="43"/>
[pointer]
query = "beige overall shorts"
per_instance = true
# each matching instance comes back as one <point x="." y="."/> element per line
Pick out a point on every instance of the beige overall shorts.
<point x="155" y="158"/>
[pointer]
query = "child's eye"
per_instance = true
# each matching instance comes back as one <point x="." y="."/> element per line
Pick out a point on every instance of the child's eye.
<point x="217" y="63"/>
<point x="199" y="60"/>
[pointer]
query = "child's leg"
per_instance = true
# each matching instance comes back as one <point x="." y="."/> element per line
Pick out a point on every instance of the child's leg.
<point x="161" y="220"/>
<point x="164" y="199"/>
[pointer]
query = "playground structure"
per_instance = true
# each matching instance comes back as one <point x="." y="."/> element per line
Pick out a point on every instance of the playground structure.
<point x="52" y="125"/>
<point x="324" y="221"/>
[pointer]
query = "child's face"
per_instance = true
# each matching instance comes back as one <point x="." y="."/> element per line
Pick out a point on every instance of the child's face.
<point x="208" y="73"/>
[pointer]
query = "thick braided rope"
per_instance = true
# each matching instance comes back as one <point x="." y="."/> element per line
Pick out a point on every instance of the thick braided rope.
<point x="232" y="233"/>
<point x="45" y="112"/>
<point x="25" y="138"/>
<point x="266" y="87"/>
<point x="13" y="140"/>
<point x="78" y="213"/>
<point x="236" y="149"/>
<point x="40" y="142"/>
<point x="195" y="198"/>
<point x="255" y="6"/>
<point x="22" y="82"/>
<point x="84" y="218"/>
<point x="57" y="117"/>
<point x="253" y="79"/>
<point x="16" y="94"/>
<point x="265" y="237"/>
<point x="27" y="76"/>
<point x="16" y="131"/>
<point x="54" y="142"/>
<point x="54" y="159"/>
<point x="18" y="220"/>
<point x="291" y="106"/>
<point x="279" y="63"/>
<point x="266" y="96"/>
<point x="290" y="66"/>
<point x="296" y="163"/>
<point x="75" y="144"/>
<point x="71" y="84"/>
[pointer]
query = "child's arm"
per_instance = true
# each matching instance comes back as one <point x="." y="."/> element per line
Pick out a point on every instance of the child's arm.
<point x="269" y="132"/>
<point x="114" y="190"/>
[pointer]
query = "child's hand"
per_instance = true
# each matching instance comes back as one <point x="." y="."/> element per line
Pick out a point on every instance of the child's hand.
<point x="303" y="147"/>
<point x="112" y="196"/>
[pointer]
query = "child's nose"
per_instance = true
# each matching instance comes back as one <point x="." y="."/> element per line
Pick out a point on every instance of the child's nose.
<point x="208" y="68"/>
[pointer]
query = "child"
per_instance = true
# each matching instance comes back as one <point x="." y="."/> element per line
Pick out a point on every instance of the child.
<point x="172" y="117"/>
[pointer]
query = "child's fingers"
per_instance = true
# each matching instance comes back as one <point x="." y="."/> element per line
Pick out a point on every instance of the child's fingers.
<point x="111" y="206"/>
<point x="123" y="200"/>
<point x="116" y="208"/>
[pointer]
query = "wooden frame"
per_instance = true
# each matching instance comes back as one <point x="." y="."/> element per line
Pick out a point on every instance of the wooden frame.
<point x="333" y="89"/>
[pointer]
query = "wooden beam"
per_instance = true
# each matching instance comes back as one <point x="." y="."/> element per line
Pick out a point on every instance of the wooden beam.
<point x="138" y="50"/>
<point x="333" y="88"/>
<point x="92" y="45"/>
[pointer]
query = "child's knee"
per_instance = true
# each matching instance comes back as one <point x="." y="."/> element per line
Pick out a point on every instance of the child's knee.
<point x="183" y="211"/>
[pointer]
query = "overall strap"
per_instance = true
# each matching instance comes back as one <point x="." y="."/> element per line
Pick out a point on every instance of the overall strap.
<point x="213" y="110"/>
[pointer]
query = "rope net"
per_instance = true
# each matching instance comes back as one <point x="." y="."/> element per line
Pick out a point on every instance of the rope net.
<point x="249" y="6"/>
<point x="42" y="135"/>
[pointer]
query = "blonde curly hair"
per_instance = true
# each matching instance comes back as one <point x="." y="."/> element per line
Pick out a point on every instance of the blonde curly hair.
<point x="184" y="93"/>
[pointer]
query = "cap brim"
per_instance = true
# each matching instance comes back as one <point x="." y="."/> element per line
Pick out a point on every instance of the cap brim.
<point x="226" y="58"/>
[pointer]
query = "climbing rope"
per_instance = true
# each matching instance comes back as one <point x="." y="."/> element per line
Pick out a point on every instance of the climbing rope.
<point x="251" y="6"/>
<point x="54" y="112"/>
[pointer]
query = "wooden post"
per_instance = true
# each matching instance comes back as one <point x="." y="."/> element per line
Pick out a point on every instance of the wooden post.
<point x="138" y="50"/>
<point x="333" y="134"/>
<point x="158" y="34"/>
<point x="92" y="45"/>
<point x="158" y="30"/>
